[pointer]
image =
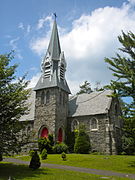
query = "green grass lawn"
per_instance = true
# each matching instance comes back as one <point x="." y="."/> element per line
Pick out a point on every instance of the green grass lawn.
<point x="125" y="164"/>
<point x="22" y="172"/>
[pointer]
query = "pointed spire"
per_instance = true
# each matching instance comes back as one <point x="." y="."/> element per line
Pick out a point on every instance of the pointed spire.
<point x="54" y="49"/>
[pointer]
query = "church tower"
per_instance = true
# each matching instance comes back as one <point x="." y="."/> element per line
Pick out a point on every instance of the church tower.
<point x="51" y="106"/>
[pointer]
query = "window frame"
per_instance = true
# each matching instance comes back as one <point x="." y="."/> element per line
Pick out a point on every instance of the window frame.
<point x="91" y="124"/>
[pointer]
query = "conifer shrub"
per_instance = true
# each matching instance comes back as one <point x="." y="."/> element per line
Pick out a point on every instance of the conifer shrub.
<point x="50" y="138"/>
<point x="31" y="152"/>
<point x="59" y="148"/>
<point x="82" y="142"/>
<point x="35" y="161"/>
<point x="44" y="154"/>
<point x="64" y="156"/>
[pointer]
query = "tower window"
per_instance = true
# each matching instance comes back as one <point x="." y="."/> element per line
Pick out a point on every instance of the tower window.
<point x="42" y="97"/>
<point x="94" y="124"/>
<point x="60" y="98"/>
<point x="47" y="97"/>
<point x="47" y="71"/>
<point x="62" y="71"/>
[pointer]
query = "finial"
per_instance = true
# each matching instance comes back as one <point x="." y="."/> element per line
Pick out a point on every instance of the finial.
<point x="55" y="16"/>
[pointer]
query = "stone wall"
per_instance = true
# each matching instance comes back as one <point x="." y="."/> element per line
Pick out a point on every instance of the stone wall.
<point x="52" y="115"/>
<point x="106" y="138"/>
<point x="97" y="137"/>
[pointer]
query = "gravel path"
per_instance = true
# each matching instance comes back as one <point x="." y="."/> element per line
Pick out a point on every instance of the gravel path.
<point x="72" y="168"/>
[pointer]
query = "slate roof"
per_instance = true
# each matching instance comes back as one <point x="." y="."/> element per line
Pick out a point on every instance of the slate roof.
<point x="54" y="49"/>
<point x="90" y="104"/>
<point x="31" y="103"/>
<point x="79" y="105"/>
<point x="46" y="83"/>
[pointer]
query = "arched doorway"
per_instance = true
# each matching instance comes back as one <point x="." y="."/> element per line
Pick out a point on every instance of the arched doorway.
<point x="44" y="132"/>
<point x="60" y="135"/>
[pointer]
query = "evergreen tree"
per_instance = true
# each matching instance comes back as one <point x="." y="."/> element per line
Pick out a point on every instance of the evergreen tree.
<point x="123" y="68"/>
<point x="35" y="161"/>
<point x="13" y="95"/>
<point x="85" y="88"/>
<point x="82" y="142"/>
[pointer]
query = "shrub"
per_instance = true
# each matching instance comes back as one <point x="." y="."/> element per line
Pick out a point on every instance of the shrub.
<point x="35" y="161"/>
<point x="59" y="148"/>
<point x="44" y="154"/>
<point x="31" y="153"/>
<point x="50" y="138"/>
<point x="82" y="142"/>
<point x="64" y="157"/>
<point x="44" y="143"/>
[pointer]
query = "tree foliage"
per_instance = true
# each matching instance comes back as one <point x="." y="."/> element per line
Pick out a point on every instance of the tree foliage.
<point x="13" y="95"/>
<point x="85" y="88"/>
<point x="123" y="68"/>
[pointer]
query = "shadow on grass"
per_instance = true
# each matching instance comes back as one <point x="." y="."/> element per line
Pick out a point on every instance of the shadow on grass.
<point x="131" y="164"/>
<point x="20" y="171"/>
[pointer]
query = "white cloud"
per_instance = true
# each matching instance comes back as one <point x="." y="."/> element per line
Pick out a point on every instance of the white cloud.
<point x="42" y="21"/>
<point x="21" y="26"/>
<point x="92" y="37"/>
<point x="13" y="44"/>
<point x="28" y="28"/>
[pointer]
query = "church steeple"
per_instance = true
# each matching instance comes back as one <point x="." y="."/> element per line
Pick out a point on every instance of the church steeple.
<point x="53" y="65"/>
<point x="54" y="49"/>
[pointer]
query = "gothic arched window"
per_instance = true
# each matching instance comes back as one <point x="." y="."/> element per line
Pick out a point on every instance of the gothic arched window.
<point x="60" y="98"/>
<point x="74" y="125"/>
<point x="47" y="97"/>
<point x="42" y="97"/>
<point x="94" y="124"/>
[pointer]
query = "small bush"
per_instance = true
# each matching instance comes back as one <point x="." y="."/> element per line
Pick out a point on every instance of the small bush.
<point x="45" y="143"/>
<point x="35" y="161"/>
<point x="44" y="154"/>
<point x="31" y="153"/>
<point x="64" y="157"/>
<point x="59" y="148"/>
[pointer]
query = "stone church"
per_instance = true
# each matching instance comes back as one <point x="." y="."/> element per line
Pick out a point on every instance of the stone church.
<point x="53" y="111"/>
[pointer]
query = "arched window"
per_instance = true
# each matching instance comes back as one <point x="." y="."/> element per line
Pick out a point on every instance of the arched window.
<point x="47" y="97"/>
<point x="63" y="99"/>
<point x="44" y="132"/>
<point x="60" y="98"/>
<point x="42" y="97"/>
<point x="60" y="135"/>
<point x="94" y="124"/>
<point x="74" y="125"/>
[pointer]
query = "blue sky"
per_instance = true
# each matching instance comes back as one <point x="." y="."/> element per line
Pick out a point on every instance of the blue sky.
<point x="88" y="32"/>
